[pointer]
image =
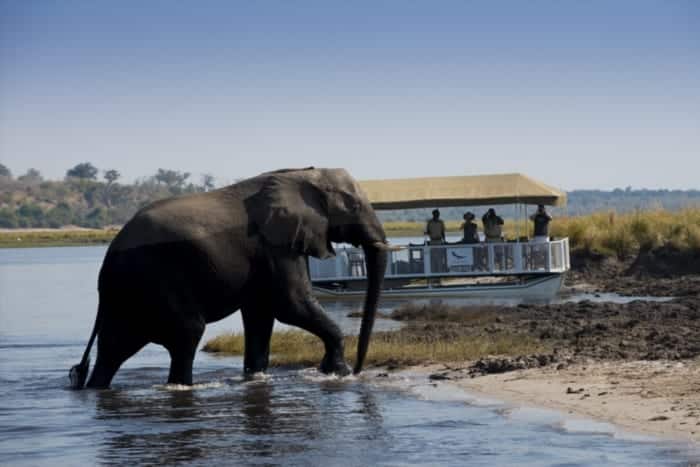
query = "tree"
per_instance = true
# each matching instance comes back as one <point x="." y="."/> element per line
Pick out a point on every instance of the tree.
<point x="83" y="171"/>
<point x="111" y="176"/>
<point x="96" y="219"/>
<point x="208" y="182"/>
<point x="92" y="193"/>
<point x="30" y="215"/>
<point x="59" y="216"/>
<point x="31" y="177"/>
<point x="8" y="219"/>
<point x="4" y="171"/>
<point x="172" y="179"/>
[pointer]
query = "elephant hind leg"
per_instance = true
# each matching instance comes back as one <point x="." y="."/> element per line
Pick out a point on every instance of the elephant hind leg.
<point x="182" y="349"/>
<point x="112" y="351"/>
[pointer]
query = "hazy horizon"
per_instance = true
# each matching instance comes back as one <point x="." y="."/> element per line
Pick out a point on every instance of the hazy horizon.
<point x="196" y="179"/>
<point x="594" y="95"/>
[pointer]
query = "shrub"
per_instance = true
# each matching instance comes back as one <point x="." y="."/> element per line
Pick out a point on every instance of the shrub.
<point x="30" y="215"/>
<point x="8" y="219"/>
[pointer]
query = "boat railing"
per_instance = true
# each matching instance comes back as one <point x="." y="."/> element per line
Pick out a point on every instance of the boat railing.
<point x="420" y="261"/>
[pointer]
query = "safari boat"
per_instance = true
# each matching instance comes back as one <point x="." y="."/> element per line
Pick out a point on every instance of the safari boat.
<point x="521" y="268"/>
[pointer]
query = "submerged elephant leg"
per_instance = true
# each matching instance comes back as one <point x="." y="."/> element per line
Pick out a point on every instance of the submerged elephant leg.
<point x="298" y="307"/>
<point x="257" y="324"/>
<point x="113" y="349"/>
<point x="182" y="348"/>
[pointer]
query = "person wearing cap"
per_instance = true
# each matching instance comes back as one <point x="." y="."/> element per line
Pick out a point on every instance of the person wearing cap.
<point x="541" y="219"/>
<point x="435" y="229"/>
<point x="492" y="226"/>
<point x="470" y="229"/>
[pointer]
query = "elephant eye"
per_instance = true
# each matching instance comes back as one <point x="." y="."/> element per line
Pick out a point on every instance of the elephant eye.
<point x="353" y="206"/>
<point x="351" y="203"/>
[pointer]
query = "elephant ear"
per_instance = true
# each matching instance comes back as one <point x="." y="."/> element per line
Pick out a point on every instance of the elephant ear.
<point x="291" y="212"/>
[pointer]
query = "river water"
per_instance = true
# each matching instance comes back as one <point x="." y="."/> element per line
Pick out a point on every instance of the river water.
<point x="291" y="417"/>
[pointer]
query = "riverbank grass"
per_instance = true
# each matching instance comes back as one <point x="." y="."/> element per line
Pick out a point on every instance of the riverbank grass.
<point x="58" y="237"/>
<point x="292" y="347"/>
<point x="607" y="233"/>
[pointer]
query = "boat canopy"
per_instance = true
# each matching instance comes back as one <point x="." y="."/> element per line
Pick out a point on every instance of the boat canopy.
<point x="471" y="190"/>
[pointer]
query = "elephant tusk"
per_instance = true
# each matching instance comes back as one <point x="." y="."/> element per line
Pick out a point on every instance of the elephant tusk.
<point x="386" y="247"/>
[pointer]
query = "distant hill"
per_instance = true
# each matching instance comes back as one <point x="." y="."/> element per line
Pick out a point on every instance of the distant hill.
<point x="83" y="200"/>
<point x="580" y="202"/>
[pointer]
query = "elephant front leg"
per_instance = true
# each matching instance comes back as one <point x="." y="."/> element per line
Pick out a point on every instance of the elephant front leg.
<point x="301" y="309"/>
<point x="309" y="316"/>
<point x="257" y="325"/>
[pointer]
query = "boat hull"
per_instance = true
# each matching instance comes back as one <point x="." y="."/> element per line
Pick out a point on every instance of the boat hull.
<point x="542" y="287"/>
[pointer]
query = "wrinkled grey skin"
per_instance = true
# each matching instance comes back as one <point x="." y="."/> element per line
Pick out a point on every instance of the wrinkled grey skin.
<point x="184" y="262"/>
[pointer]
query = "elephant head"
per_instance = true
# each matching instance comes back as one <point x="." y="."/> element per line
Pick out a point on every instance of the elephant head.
<point x="306" y="210"/>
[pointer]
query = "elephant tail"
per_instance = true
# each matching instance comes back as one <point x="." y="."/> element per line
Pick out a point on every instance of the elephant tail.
<point x="78" y="373"/>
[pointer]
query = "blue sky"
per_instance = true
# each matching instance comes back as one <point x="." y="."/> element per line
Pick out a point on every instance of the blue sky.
<point x="594" y="94"/>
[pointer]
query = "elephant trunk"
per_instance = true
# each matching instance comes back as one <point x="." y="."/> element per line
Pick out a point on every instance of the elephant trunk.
<point x="376" y="259"/>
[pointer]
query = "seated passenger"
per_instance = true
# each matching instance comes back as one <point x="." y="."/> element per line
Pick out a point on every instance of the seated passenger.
<point x="541" y="220"/>
<point x="492" y="226"/>
<point x="470" y="229"/>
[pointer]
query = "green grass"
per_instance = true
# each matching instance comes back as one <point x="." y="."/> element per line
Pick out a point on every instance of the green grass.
<point x="397" y="347"/>
<point x="58" y="237"/>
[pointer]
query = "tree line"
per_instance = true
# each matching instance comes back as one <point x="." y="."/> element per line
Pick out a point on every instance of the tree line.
<point x="85" y="199"/>
<point x="89" y="197"/>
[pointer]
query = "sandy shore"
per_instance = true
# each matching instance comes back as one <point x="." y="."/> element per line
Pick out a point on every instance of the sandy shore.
<point x="660" y="398"/>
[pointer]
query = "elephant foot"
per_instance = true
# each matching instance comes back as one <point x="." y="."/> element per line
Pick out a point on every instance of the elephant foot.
<point x="334" y="366"/>
<point x="255" y="376"/>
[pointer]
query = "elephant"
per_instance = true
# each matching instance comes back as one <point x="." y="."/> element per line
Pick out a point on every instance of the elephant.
<point x="186" y="261"/>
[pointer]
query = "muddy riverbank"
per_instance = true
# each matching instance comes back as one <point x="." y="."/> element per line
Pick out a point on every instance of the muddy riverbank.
<point x="634" y="364"/>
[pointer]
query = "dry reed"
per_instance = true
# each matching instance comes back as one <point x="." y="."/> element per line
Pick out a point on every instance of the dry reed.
<point x="300" y="348"/>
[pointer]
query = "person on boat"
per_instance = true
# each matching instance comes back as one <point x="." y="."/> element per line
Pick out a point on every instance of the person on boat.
<point x="493" y="226"/>
<point x="470" y="229"/>
<point x="435" y="229"/>
<point x="541" y="219"/>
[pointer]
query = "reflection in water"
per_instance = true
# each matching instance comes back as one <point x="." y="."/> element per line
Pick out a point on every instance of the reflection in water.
<point x="155" y="428"/>
<point x="256" y="410"/>
<point x="282" y="417"/>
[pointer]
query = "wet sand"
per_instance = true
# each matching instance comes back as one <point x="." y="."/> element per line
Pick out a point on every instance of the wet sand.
<point x="660" y="398"/>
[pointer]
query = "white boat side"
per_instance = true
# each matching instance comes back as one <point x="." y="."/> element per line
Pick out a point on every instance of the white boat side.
<point x="525" y="269"/>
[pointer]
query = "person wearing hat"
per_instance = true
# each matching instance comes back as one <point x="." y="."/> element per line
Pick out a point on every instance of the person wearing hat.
<point x="470" y="229"/>
<point x="492" y="226"/>
<point x="541" y="220"/>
